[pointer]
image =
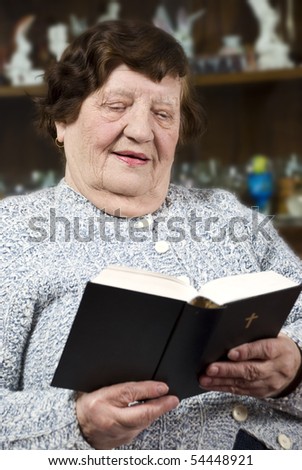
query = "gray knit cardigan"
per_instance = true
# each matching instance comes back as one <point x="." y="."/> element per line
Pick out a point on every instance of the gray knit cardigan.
<point x="53" y="241"/>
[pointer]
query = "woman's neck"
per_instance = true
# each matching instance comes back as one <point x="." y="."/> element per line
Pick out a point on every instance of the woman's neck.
<point x="121" y="205"/>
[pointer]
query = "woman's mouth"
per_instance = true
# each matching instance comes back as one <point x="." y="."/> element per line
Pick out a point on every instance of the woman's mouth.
<point x="132" y="158"/>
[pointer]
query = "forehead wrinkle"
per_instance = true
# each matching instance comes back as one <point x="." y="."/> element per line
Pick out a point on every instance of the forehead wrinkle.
<point x="167" y="101"/>
<point x="107" y="93"/>
<point x="171" y="101"/>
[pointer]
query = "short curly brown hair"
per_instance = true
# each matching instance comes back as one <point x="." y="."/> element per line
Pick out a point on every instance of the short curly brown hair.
<point x="88" y="61"/>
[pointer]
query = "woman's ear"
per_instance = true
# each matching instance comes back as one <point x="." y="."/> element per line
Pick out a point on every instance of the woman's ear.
<point x="60" y="127"/>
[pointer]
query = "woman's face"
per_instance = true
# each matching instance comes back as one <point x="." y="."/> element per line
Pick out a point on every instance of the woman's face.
<point x="123" y="142"/>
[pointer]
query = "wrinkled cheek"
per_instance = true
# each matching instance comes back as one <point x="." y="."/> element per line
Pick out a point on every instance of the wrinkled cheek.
<point x="166" y="160"/>
<point x="97" y="167"/>
<point x="93" y="154"/>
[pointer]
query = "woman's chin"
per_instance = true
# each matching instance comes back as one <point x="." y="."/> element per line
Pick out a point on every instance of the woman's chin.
<point x="132" y="187"/>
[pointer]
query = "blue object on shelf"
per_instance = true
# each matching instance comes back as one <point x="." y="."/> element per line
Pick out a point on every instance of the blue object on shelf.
<point x="260" y="187"/>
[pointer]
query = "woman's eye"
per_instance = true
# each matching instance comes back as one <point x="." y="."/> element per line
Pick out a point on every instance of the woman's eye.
<point x="116" y="107"/>
<point x="162" y="115"/>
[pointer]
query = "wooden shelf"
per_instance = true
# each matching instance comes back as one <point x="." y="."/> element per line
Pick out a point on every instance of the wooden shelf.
<point x="248" y="77"/>
<point x="288" y="222"/>
<point x="11" y="91"/>
<point x="199" y="80"/>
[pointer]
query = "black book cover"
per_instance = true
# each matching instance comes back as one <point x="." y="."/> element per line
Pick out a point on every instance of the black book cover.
<point x="117" y="336"/>
<point x="120" y="335"/>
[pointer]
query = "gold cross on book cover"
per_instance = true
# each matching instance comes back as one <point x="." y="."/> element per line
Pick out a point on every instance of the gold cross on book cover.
<point x="250" y="319"/>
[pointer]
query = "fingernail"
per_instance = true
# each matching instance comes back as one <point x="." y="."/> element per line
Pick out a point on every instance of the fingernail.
<point x="162" y="389"/>
<point x="205" y="381"/>
<point x="212" y="370"/>
<point x="234" y="355"/>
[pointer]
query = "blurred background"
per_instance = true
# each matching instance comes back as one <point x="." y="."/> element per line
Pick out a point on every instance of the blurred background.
<point x="246" y="58"/>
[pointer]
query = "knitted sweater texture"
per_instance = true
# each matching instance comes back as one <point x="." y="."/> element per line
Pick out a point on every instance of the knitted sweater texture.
<point x="53" y="241"/>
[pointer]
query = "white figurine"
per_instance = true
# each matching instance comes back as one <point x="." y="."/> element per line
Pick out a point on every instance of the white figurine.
<point x="112" y="13"/>
<point x="19" y="70"/>
<point x="271" y="51"/>
<point x="183" y="32"/>
<point x="57" y="39"/>
<point x="77" y="26"/>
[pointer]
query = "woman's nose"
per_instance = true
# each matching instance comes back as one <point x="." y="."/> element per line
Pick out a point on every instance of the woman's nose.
<point x="139" y="125"/>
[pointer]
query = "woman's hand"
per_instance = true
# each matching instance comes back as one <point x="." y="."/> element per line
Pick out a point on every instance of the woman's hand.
<point x="107" y="420"/>
<point x="261" y="369"/>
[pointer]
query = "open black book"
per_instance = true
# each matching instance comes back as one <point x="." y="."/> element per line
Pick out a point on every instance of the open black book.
<point x="138" y="325"/>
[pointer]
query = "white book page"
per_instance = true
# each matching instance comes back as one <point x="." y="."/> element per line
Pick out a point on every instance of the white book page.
<point x="232" y="288"/>
<point x="146" y="282"/>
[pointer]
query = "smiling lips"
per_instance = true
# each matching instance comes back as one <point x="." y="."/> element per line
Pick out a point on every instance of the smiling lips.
<point x="132" y="158"/>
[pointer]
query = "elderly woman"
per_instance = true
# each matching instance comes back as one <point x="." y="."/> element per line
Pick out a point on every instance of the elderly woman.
<point x="119" y="101"/>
